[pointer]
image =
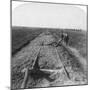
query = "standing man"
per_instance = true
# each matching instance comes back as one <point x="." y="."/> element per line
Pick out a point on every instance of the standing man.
<point x="65" y="38"/>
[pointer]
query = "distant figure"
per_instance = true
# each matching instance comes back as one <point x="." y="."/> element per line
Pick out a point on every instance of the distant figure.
<point x="65" y="38"/>
<point x="62" y="36"/>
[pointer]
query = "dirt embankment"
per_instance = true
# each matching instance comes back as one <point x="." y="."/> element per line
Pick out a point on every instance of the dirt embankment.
<point x="68" y="66"/>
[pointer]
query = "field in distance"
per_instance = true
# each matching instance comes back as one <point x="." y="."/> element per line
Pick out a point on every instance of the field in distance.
<point x="21" y="36"/>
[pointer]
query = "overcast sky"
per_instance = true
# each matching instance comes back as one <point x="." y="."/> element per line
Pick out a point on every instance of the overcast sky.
<point x="48" y="15"/>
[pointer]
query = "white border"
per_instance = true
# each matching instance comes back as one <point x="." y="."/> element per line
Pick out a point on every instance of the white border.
<point x="5" y="44"/>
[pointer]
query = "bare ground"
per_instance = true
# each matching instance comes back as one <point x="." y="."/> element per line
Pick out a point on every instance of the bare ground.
<point x="70" y="67"/>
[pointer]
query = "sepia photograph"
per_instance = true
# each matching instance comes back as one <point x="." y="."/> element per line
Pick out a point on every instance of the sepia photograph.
<point x="49" y="44"/>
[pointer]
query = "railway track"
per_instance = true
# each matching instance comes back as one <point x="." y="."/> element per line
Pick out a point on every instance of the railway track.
<point x="59" y="62"/>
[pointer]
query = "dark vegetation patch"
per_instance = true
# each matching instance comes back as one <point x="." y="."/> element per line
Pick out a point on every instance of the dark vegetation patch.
<point x="22" y="37"/>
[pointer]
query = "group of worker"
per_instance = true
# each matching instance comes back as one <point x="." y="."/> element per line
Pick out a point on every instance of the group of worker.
<point x="65" y="38"/>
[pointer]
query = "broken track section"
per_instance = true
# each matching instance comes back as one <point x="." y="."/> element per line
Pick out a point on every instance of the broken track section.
<point x="61" y="64"/>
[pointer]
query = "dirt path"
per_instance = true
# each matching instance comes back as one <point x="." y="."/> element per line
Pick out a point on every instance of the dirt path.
<point x="68" y="66"/>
